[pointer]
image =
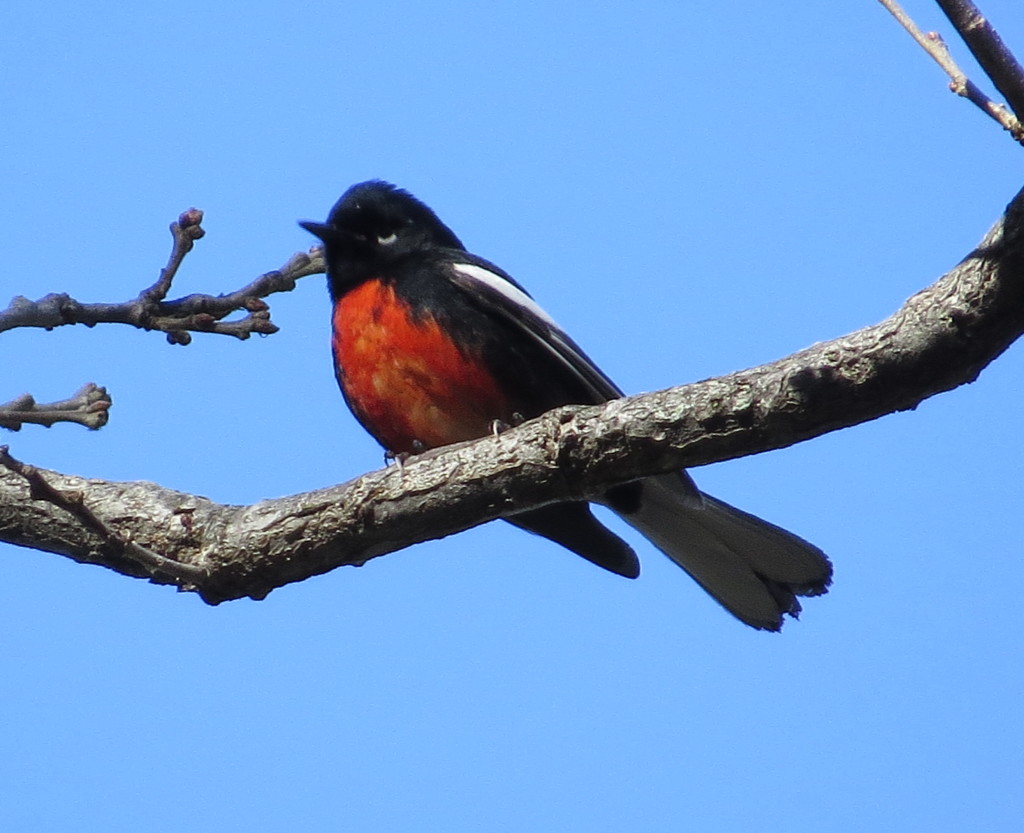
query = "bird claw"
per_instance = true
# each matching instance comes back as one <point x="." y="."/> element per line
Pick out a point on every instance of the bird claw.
<point x="400" y="458"/>
<point x="499" y="425"/>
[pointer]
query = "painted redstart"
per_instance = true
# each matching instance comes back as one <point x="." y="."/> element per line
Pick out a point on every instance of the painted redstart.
<point x="434" y="345"/>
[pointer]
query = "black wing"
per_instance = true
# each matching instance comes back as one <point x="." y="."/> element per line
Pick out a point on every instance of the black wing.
<point x="501" y="297"/>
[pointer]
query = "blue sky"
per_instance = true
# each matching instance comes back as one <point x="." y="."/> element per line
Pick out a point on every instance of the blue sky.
<point x="688" y="193"/>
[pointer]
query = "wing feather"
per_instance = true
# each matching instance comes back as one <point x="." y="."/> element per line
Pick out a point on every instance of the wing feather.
<point x="501" y="296"/>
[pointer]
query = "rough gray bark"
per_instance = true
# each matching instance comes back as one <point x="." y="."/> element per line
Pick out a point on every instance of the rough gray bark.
<point x="941" y="338"/>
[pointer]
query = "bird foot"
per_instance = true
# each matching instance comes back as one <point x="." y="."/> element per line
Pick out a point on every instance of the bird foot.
<point x="499" y="425"/>
<point x="399" y="458"/>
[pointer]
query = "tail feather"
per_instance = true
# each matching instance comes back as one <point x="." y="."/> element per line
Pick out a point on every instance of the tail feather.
<point x="773" y="552"/>
<point x="574" y="527"/>
<point x="754" y="569"/>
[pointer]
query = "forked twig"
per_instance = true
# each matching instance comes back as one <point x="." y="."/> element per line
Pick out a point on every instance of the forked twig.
<point x="959" y="83"/>
<point x="89" y="407"/>
<point x="989" y="51"/>
<point x="177" y="318"/>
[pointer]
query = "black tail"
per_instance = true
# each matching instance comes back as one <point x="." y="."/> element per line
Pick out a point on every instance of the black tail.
<point x="754" y="569"/>
<point x="574" y="527"/>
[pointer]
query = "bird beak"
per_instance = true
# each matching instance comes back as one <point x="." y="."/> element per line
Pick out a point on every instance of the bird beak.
<point x="334" y="236"/>
<point x="321" y="230"/>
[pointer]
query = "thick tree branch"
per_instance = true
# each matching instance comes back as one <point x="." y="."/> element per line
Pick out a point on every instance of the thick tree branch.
<point x="177" y="318"/>
<point x="73" y="503"/>
<point x="941" y="338"/>
<point x="89" y="407"/>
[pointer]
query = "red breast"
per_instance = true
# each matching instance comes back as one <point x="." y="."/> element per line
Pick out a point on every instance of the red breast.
<point x="404" y="378"/>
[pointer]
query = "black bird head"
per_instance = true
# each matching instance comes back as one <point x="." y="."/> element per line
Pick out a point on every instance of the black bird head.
<point x="375" y="222"/>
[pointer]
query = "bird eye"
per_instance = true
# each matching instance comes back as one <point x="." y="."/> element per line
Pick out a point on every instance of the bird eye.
<point x="388" y="239"/>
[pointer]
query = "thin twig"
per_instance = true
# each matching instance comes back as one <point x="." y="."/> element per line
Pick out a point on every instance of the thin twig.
<point x="74" y="504"/>
<point x="202" y="313"/>
<point x="934" y="45"/>
<point x="89" y="407"/>
<point x="988" y="49"/>
<point x="185" y="231"/>
<point x="178" y="318"/>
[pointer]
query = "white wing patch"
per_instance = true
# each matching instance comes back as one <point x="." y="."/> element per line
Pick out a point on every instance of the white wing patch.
<point x="520" y="309"/>
<point x="512" y="292"/>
